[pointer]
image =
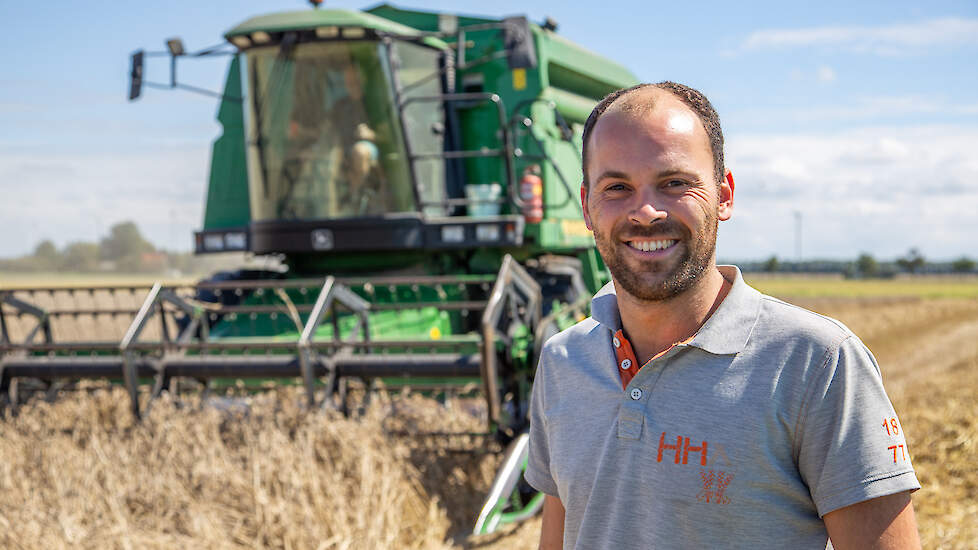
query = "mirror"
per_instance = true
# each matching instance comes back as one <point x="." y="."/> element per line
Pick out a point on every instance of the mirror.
<point x="519" y="43"/>
<point x="136" y="75"/>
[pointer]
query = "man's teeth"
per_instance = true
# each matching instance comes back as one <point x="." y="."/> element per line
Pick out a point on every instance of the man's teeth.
<point x="650" y="246"/>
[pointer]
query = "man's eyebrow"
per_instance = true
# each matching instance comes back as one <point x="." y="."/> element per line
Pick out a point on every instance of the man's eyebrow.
<point x="612" y="174"/>
<point x="671" y="173"/>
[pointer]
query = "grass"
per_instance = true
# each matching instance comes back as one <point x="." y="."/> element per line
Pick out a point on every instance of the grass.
<point x="837" y="287"/>
<point x="942" y="418"/>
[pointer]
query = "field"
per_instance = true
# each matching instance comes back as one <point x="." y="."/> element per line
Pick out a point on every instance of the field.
<point x="77" y="473"/>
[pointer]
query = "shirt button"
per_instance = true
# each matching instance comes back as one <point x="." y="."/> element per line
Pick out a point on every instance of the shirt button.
<point x="626" y="364"/>
<point x="616" y="341"/>
<point x="635" y="394"/>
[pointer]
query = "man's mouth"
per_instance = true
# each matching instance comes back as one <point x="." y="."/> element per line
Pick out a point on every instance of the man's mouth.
<point x="651" y="245"/>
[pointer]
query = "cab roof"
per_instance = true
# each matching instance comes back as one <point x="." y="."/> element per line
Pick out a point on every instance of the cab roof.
<point x="311" y="19"/>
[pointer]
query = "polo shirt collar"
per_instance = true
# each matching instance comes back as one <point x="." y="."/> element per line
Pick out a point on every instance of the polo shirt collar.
<point x="604" y="308"/>
<point x="725" y="332"/>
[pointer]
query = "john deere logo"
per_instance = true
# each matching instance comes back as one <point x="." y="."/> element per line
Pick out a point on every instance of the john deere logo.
<point x="322" y="239"/>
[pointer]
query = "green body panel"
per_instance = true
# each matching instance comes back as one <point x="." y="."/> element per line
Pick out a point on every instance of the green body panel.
<point x="425" y="322"/>
<point x="573" y="107"/>
<point x="568" y="78"/>
<point x="227" y="204"/>
<point x="425" y="21"/>
<point x="574" y="79"/>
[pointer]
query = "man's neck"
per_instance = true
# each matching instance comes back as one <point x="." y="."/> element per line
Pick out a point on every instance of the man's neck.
<point x="653" y="327"/>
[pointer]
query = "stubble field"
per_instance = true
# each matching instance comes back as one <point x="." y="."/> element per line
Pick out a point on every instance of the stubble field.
<point x="78" y="473"/>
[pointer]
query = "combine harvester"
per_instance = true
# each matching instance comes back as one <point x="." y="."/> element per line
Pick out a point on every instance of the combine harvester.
<point x="417" y="175"/>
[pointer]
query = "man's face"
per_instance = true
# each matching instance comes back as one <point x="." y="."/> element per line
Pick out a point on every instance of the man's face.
<point x="653" y="203"/>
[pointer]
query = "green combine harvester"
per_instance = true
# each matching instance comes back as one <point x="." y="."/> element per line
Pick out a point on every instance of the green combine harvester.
<point x="416" y="173"/>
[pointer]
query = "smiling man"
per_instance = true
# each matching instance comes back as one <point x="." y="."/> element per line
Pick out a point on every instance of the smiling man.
<point x="691" y="411"/>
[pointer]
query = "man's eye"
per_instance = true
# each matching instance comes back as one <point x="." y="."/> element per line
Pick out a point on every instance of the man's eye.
<point x="615" y="187"/>
<point x="675" y="183"/>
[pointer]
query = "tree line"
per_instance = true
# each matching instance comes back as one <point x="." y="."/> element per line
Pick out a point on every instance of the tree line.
<point x="867" y="266"/>
<point x="124" y="249"/>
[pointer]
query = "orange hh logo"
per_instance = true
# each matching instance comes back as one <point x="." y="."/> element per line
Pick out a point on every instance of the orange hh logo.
<point x="682" y="448"/>
<point x="715" y="484"/>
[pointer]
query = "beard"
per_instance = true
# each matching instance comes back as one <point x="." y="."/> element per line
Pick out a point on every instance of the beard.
<point x="658" y="280"/>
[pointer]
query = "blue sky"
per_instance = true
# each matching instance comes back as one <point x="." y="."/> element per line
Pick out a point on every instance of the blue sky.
<point x="860" y="116"/>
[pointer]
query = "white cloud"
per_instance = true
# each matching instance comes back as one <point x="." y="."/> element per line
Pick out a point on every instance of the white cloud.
<point x="822" y="74"/>
<point x="887" y="39"/>
<point x="19" y="107"/>
<point x="862" y="109"/>
<point x="879" y="189"/>
<point x="825" y="74"/>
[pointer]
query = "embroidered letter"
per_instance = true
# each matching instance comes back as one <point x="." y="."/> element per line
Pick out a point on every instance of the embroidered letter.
<point x="903" y="452"/>
<point x="678" y="447"/>
<point x="701" y="450"/>
<point x="719" y="455"/>
<point x="715" y="484"/>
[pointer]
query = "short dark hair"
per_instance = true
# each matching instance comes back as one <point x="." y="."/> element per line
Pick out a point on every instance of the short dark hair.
<point x="692" y="98"/>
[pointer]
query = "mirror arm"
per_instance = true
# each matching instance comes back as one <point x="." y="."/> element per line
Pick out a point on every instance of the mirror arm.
<point x="136" y="81"/>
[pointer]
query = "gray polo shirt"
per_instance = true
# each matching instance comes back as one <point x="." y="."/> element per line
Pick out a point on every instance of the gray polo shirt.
<point x="769" y="418"/>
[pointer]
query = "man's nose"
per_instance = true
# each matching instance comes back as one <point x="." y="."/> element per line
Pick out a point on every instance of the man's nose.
<point x="646" y="212"/>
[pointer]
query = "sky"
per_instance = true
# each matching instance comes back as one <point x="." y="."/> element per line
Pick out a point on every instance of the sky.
<point x="853" y="125"/>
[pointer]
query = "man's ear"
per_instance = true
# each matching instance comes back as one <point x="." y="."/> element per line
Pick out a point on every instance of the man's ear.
<point x="726" y="198"/>
<point x="587" y="215"/>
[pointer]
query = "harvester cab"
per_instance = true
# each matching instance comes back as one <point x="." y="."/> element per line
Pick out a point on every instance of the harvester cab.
<point x="392" y="138"/>
<point x="417" y="174"/>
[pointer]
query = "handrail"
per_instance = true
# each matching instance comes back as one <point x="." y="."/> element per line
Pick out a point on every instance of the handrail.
<point x="506" y="151"/>
<point x="514" y="287"/>
<point x="527" y="122"/>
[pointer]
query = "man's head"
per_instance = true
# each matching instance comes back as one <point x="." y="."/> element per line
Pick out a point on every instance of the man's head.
<point x="652" y="195"/>
<point x="694" y="99"/>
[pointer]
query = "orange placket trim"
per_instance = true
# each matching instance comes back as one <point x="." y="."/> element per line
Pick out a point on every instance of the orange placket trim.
<point x="624" y="352"/>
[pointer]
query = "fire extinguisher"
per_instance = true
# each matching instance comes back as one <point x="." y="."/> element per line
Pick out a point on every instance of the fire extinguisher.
<point x="531" y="192"/>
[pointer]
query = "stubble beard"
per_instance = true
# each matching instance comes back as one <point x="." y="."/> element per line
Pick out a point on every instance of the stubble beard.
<point x="697" y="256"/>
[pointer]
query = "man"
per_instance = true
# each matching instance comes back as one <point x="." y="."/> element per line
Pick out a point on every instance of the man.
<point x="331" y="162"/>
<point x="691" y="411"/>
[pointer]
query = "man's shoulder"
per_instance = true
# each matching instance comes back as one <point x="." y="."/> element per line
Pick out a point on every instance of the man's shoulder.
<point x="582" y="335"/>
<point x="780" y="319"/>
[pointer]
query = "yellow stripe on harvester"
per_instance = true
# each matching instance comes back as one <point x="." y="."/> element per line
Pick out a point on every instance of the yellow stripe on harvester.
<point x="574" y="228"/>
<point x="519" y="79"/>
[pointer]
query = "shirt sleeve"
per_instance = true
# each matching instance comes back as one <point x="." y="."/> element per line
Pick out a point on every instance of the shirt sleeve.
<point x="538" y="472"/>
<point x="850" y="443"/>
